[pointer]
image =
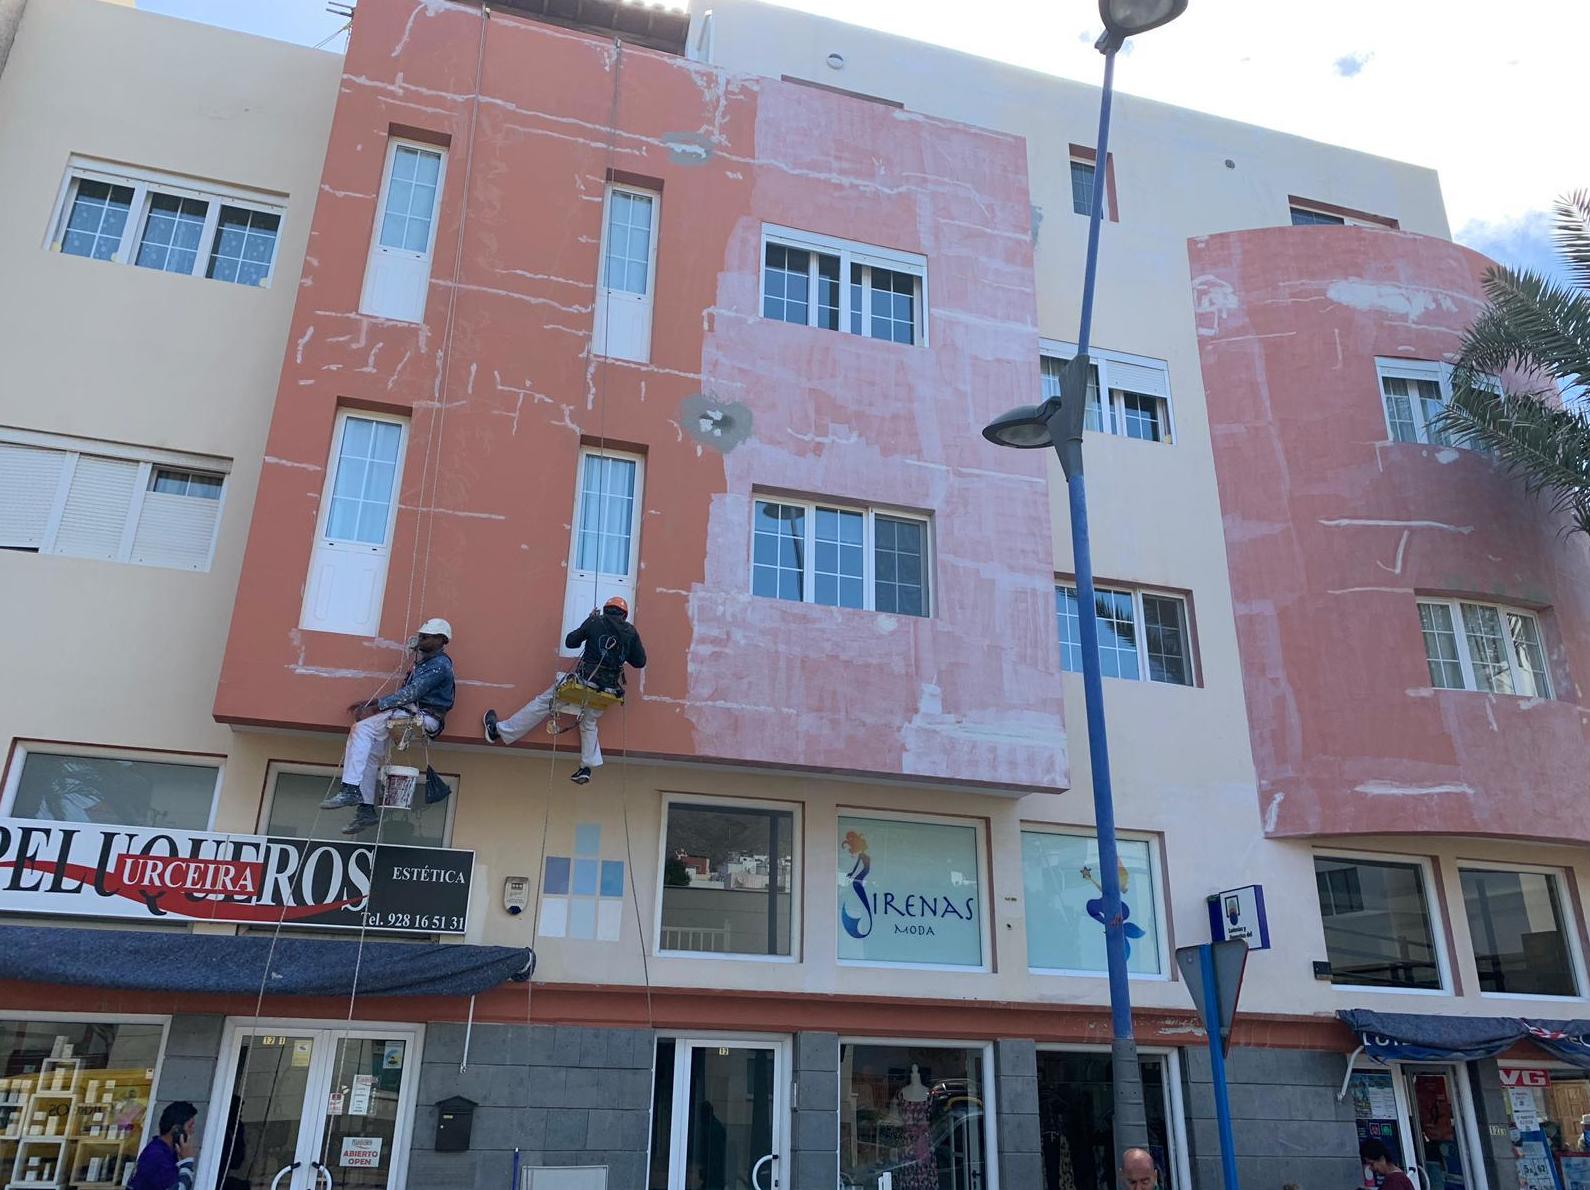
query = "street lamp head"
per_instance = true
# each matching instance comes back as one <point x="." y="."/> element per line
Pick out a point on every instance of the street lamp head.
<point x="1025" y="427"/>
<point x="1128" y="18"/>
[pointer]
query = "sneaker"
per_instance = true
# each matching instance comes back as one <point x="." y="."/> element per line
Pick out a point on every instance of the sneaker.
<point x="489" y="722"/>
<point x="363" y="819"/>
<point x="581" y="775"/>
<point x="348" y="795"/>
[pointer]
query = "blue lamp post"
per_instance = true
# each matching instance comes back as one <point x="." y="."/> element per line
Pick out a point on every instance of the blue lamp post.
<point x="1058" y="423"/>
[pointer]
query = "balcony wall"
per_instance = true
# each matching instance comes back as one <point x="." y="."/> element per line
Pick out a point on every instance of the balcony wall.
<point x="1331" y="530"/>
<point x="503" y="390"/>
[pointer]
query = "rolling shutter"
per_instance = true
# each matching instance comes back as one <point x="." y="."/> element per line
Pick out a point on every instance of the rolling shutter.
<point x="95" y="517"/>
<point x="175" y="531"/>
<point x="29" y="481"/>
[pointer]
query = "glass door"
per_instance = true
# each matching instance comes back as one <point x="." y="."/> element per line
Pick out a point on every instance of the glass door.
<point x="311" y="1109"/>
<point x="1439" y="1157"/>
<point x="719" y="1115"/>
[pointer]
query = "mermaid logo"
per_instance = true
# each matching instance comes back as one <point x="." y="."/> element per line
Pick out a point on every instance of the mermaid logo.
<point x="857" y="927"/>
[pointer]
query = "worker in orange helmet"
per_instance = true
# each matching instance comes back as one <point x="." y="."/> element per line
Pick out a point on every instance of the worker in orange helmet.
<point x="610" y="642"/>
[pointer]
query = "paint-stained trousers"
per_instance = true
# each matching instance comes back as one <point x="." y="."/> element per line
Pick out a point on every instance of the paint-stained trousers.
<point x="515" y="726"/>
<point x="361" y="759"/>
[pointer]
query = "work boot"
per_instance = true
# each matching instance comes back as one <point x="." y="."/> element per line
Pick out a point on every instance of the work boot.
<point x="363" y="819"/>
<point x="581" y="775"/>
<point x="346" y="796"/>
<point x="489" y="722"/>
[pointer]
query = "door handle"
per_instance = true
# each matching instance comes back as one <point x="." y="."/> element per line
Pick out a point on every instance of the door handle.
<point x="321" y="1169"/>
<point x="756" y="1173"/>
<point x="283" y="1172"/>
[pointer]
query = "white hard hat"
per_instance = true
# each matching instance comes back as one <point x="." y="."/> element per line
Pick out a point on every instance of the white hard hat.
<point x="436" y="626"/>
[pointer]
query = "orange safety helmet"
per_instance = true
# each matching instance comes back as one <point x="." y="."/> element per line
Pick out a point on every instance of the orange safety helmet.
<point x="617" y="601"/>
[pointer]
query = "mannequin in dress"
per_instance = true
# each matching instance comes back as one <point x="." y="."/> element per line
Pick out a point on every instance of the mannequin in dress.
<point x="922" y="1173"/>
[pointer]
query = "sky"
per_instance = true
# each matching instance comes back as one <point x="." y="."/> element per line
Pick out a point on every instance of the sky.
<point x="1487" y="92"/>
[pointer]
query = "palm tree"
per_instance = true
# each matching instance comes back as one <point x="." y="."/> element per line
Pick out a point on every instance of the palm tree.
<point x="1538" y="331"/>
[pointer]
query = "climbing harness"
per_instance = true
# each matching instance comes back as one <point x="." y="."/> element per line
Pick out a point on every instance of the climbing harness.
<point x="398" y="781"/>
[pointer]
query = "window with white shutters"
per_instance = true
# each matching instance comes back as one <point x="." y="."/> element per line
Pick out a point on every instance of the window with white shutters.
<point x="108" y="501"/>
<point x="397" y="275"/>
<point x="1135" y="400"/>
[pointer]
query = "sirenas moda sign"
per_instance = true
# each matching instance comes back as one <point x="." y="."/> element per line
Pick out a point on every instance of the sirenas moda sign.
<point x="92" y="870"/>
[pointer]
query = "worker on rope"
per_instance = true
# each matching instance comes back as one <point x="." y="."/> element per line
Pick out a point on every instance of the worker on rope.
<point x="610" y="642"/>
<point x="426" y="695"/>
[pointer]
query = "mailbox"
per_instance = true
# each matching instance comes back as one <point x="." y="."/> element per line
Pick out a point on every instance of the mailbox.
<point x="455" y="1116"/>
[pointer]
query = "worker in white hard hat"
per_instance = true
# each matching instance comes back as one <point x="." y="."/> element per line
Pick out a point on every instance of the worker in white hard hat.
<point x="426" y="694"/>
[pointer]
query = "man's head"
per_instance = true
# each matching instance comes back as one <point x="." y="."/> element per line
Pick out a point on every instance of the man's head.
<point x="1138" y="1171"/>
<point x="178" y="1115"/>
<point x="1374" y="1154"/>
<point x="433" y="634"/>
<point x="616" y="606"/>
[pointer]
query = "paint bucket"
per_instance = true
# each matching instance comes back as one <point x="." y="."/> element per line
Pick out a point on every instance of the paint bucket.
<point x="397" y="787"/>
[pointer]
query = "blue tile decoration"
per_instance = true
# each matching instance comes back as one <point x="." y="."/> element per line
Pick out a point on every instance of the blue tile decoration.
<point x="585" y="877"/>
<point x="556" y="880"/>
<point x="612" y="877"/>
<point x="583" y="894"/>
<point x="587" y="839"/>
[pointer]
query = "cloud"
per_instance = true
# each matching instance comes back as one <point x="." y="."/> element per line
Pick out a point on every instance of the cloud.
<point x="1521" y="242"/>
<point x="1349" y="65"/>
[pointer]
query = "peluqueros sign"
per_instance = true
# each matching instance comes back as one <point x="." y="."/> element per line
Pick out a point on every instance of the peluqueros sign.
<point x="87" y="870"/>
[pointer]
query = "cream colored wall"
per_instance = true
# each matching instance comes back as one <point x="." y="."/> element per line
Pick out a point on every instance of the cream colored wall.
<point x="100" y="651"/>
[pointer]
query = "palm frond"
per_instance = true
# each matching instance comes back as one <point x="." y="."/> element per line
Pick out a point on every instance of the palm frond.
<point x="1573" y="234"/>
<point x="1546" y="446"/>
<point x="1531" y="323"/>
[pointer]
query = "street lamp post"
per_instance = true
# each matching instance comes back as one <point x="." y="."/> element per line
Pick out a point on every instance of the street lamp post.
<point x="1058" y="423"/>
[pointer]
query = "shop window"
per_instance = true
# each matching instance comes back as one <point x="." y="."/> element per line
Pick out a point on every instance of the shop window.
<point x="1065" y="917"/>
<point x="295" y="811"/>
<point x="398" y="273"/>
<point x="882" y="295"/>
<point x="1519" y="933"/>
<point x="629" y="266"/>
<point x="1561" y="1099"/>
<point x="1076" y="1114"/>
<point x="1380" y="931"/>
<point x="840" y="557"/>
<point x="913" y="1115"/>
<point x="728" y="880"/>
<point x="100" y="500"/>
<point x="1478" y="646"/>
<point x="1128" y="395"/>
<point x="170" y="224"/>
<point x="75" y="1099"/>
<point x="108" y="788"/>
<point x="348" y="565"/>
<point x="910" y="892"/>
<point x="1141" y="633"/>
<point x="604" y="553"/>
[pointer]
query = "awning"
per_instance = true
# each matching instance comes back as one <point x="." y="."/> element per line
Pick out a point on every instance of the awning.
<point x="162" y="961"/>
<point x="1426" y="1037"/>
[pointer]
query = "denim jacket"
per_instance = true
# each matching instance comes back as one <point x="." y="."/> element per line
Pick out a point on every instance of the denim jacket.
<point x="429" y="685"/>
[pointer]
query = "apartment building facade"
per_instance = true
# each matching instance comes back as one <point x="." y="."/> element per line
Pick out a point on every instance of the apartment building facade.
<point x="708" y="313"/>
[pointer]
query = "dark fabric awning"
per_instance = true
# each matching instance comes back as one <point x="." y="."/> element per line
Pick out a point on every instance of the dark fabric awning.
<point x="148" y="960"/>
<point x="1416" y="1036"/>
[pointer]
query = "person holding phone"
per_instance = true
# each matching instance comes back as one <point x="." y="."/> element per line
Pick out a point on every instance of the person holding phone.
<point x="167" y="1161"/>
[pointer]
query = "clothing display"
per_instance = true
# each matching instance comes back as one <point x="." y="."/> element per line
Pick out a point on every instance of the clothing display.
<point x="922" y="1173"/>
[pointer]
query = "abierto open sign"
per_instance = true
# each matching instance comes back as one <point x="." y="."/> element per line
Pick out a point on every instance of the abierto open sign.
<point x="360" y="1152"/>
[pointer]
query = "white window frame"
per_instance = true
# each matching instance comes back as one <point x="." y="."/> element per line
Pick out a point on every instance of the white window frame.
<point x="144" y="183"/>
<point x="849" y="252"/>
<point x="1411" y="369"/>
<point x="990" y="1089"/>
<point x="1175" y="1108"/>
<point x="577" y="580"/>
<point x="1562" y="878"/>
<point x="1466" y="659"/>
<point x="868" y="513"/>
<point x="1156" y="875"/>
<point x="149" y="461"/>
<point x="797" y="875"/>
<point x="605" y="297"/>
<point x="984" y="891"/>
<point x="277" y="768"/>
<point x="22" y="749"/>
<point x="377" y="249"/>
<point x="1112" y="395"/>
<point x="1433" y="906"/>
<point x="1339" y="219"/>
<point x="1140" y="630"/>
<point x="1071" y="163"/>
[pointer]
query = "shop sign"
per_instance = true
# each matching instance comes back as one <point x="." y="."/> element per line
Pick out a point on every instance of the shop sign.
<point x="1239" y="913"/>
<point x="363" y="1089"/>
<point x="908" y="893"/>
<point x="91" y="870"/>
<point x="1524" y="1076"/>
<point x="360" y="1152"/>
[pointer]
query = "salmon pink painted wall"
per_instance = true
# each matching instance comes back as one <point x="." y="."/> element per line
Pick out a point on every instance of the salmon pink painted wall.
<point x="1331" y="531"/>
<point x="502" y="391"/>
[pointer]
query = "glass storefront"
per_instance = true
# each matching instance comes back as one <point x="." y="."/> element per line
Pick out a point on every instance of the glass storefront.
<point x="912" y="1117"/>
<point x="74" y="1100"/>
<point x="1561" y="1100"/>
<point x="1076" y="1113"/>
